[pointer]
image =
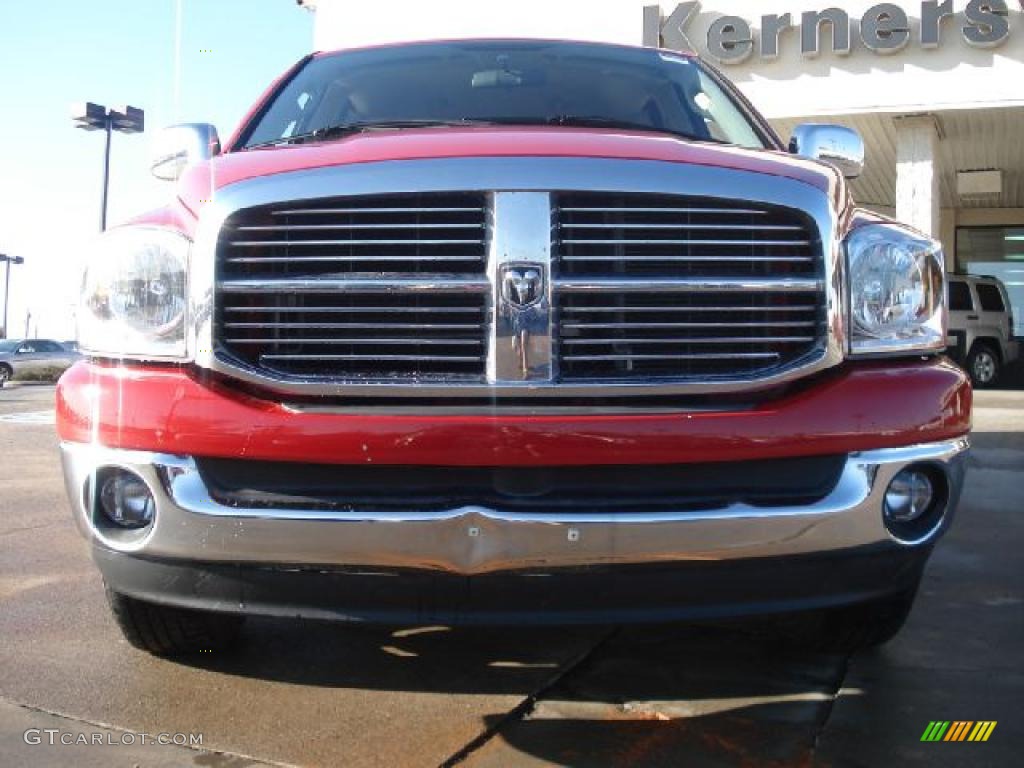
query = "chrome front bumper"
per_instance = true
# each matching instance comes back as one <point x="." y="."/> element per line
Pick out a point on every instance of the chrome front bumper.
<point x="191" y="526"/>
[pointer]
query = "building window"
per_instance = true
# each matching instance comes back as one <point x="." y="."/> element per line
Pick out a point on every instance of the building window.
<point x="997" y="252"/>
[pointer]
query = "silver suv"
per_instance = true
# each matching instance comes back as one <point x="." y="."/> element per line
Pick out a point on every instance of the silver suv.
<point x="980" y="327"/>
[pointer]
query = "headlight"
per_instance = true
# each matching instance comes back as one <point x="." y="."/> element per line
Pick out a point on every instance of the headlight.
<point x="897" y="291"/>
<point x="135" y="294"/>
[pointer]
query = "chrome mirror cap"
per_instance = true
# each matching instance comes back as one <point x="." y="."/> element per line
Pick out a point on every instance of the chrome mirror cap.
<point x="179" y="146"/>
<point x="833" y="144"/>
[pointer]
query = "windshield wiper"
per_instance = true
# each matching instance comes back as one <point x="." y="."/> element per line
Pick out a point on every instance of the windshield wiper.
<point x="595" y="121"/>
<point x="578" y="121"/>
<point x="347" y="129"/>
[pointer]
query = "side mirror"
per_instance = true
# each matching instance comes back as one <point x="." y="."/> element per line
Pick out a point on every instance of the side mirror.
<point x="179" y="146"/>
<point x="832" y="144"/>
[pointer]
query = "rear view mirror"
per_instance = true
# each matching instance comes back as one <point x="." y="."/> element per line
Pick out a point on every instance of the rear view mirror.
<point x="179" y="146"/>
<point x="832" y="144"/>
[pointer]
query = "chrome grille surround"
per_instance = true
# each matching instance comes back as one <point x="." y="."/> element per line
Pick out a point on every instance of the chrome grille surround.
<point x="524" y="190"/>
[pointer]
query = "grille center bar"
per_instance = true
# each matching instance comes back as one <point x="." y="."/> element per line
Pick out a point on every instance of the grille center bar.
<point x="519" y="269"/>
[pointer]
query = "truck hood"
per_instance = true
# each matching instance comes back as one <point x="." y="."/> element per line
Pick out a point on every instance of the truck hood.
<point x="202" y="182"/>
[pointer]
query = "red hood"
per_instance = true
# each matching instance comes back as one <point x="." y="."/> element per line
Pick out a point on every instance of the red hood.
<point x="198" y="185"/>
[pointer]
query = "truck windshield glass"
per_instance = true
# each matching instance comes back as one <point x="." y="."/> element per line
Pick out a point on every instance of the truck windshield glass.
<point x="496" y="82"/>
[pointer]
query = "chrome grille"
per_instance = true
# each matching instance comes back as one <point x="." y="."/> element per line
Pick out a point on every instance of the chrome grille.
<point x="663" y="286"/>
<point x="677" y="290"/>
<point x="370" y="287"/>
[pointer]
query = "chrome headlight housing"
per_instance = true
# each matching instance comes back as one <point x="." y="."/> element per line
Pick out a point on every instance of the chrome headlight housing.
<point x="135" y="295"/>
<point x="897" y="291"/>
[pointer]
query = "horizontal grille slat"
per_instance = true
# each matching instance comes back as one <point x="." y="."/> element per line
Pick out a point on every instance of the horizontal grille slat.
<point x="655" y="287"/>
<point x="567" y="327"/>
<point x="709" y="227"/>
<point x="349" y="242"/>
<point x="371" y="358"/>
<point x="314" y="309"/>
<point x="676" y="356"/>
<point x="670" y="309"/>
<point x="369" y="210"/>
<point x="340" y="259"/>
<point x="387" y="288"/>
<point x="633" y="210"/>
<point x="321" y="285"/>
<point x="695" y="259"/>
<point x="619" y="285"/>
<point x="614" y="340"/>
<point x="356" y="326"/>
<point x="332" y="227"/>
<point x="341" y="341"/>
<point x="626" y="242"/>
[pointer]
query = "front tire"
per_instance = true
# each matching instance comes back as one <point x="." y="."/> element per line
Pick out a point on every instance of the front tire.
<point x="6" y="374"/>
<point x="165" y="630"/>
<point x="983" y="366"/>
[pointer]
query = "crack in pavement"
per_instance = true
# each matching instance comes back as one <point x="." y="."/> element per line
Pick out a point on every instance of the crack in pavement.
<point x="110" y="727"/>
<point x="527" y="705"/>
<point x="830" y="704"/>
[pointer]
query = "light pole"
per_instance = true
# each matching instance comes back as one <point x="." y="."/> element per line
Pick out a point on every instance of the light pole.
<point x="96" y="117"/>
<point x="8" y="260"/>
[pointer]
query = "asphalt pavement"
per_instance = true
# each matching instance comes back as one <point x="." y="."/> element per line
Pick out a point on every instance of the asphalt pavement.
<point x="683" y="695"/>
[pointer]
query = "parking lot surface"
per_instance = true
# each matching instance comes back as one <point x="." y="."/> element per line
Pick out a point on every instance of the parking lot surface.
<point x="683" y="695"/>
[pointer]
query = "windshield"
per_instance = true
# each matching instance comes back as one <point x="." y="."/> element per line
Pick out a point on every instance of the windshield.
<point x="514" y="82"/>
<point x="7" y="347"/>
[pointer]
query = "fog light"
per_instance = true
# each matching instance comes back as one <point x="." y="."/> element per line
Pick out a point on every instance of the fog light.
<point x="126" y="500"/>
<point x="909" y="496"/>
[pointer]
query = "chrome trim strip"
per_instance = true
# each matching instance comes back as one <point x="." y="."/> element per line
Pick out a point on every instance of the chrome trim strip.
<point x="352" y="211"/>
<point x="357" y="285"/>
<point x="709" y="227"/>
<point x="510" y="175"/>
<point x="688" y="285"/>
<point x="294" y="243"/>
<point x="191" y="526"/>
<point x="521" y="344"/>
<point x="738" y="243"/>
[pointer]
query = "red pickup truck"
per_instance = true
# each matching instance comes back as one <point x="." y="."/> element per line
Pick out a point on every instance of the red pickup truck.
<point x="511" y="331"/>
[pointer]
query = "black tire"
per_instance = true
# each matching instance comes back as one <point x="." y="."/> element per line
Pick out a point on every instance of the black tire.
<point x="983" y="366"/>
<point x="5" y="375"/>
<point x="165" y="630"/>
<point x="852" y="628"/>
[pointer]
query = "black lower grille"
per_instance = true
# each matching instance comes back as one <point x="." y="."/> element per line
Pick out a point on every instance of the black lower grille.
<point x="617" y="488"/>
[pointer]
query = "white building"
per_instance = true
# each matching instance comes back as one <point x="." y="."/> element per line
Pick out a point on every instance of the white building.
<point x="936" y="88"/>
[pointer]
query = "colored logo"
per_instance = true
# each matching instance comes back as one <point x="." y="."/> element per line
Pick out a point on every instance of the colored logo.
<point x="959" y="730"/>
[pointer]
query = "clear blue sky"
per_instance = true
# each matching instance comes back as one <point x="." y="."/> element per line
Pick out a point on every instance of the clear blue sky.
<point x="57" y="52"/>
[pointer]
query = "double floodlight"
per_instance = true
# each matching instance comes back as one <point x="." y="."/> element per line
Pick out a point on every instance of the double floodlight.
<point x="90" y="116"/>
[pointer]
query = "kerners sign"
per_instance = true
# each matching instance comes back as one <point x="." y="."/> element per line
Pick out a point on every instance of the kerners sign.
<point x="884" y="29"/>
